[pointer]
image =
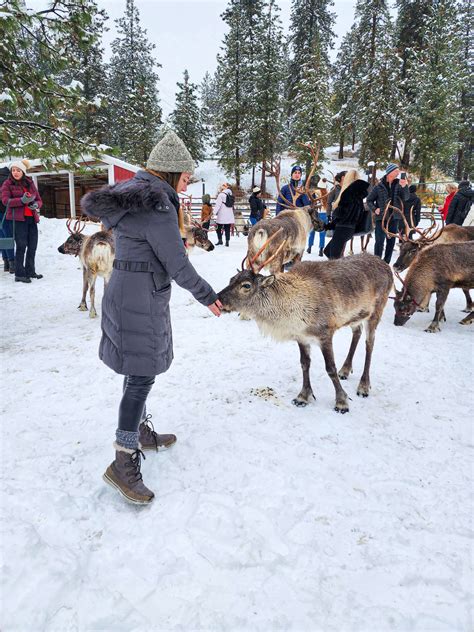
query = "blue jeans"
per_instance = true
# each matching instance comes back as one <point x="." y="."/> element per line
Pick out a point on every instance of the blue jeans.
<point x="6" y="231"/>
<point x="253" y="220"/>
<point x="322" y="235"/>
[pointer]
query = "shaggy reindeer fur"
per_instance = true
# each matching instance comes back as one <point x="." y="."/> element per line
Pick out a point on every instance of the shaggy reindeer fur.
<point x="310" y="303"/>
<point x="436" y="269"/>
<point x="296" y="225"/>
<point x="96" y="253"/>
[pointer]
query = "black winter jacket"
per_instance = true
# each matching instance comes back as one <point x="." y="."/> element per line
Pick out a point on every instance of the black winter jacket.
<point x="460" y="206"/>
<point x="415" y="202"/>
<point x="384" y="192"/>
<point x="351" y="205"/>
<point x="257" y="207"/>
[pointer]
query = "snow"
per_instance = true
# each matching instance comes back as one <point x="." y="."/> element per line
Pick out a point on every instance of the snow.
<point x="266" y="517"/>
<point x="5" y="96"/>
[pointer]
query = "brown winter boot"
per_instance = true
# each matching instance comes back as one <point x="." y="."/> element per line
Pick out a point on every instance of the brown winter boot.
<point x="151" y="440"/>
<point x="124" y="474"/>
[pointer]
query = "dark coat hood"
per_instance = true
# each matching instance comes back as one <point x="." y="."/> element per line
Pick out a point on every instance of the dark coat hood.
<point x="144" y="192"/>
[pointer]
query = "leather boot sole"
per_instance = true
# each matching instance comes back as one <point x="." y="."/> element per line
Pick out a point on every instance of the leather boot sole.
<point x="110" y="480"/>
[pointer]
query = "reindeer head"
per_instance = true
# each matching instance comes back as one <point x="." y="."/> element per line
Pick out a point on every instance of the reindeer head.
<point x="201" y="239"/>
<point x="73" y="244"/>
<point x="318" y="224"/>
<point x="408" y="251"/>
<point x="405" y="306"/>
<point x="244" y="292"/>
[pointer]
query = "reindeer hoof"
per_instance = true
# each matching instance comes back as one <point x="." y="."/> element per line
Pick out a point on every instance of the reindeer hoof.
<point x="299" y="402"/>
<point x="92" y="314"/>
<point x="82" y="307"/>
<point x="432" y="329"/>
<point x="344" y="374"/>
<point x="341" y="408"/>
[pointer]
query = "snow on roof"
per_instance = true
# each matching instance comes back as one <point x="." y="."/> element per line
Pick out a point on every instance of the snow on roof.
<point x="105" y="159"/>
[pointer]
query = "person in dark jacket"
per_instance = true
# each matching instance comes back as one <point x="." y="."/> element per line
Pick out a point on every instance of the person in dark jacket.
<point x="136" y="327"/>
<point x="8" y="256"/>
<point x="257" y="206"/>
<point x="389" y="189"/>
<point x="413" y="202"/>
<point x="292" y="191"/>
<point x="460" y="204"/>
<point x="348" y="209"/>
<point x="23" y="200"/>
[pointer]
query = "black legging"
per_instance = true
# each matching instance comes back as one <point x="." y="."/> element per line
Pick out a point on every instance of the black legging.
<point x="341" y="235"/>
<point x="226" y="228"/>
<point x="132" y="405"/>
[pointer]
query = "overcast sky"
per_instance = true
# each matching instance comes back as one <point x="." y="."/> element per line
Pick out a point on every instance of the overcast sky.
<point x="188" y="34"/>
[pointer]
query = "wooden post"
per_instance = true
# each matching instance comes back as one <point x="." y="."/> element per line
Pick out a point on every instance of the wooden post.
<point x="72" y="196"/>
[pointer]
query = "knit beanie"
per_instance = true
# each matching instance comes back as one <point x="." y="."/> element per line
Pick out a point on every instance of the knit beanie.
<point x="23" y="165"/>
<point x="296" y="168"/>
<point x="463" y="184"/>
<point x="170" y="155"/>
<point x="390" y="167"/>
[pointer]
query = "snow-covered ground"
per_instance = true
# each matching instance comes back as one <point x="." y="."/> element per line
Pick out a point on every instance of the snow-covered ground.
<point x="267" y="517"/>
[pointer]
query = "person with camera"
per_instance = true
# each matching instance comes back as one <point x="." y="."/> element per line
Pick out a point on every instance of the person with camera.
<point x="23" y="201"/>
<point x="393" y="189"/>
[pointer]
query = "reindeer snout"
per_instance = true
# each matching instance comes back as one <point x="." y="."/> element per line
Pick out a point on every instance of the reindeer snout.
<point x="210" y="247"/>
<point x="61" y="249"/>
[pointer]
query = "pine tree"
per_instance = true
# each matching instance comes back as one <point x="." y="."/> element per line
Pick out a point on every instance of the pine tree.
<point x="266" y="125"/>
<point x="435" y="73"/>
<point x="343" y="102"/>
<point x="186" y="119"/>
<point x="236" y="75"/>
<point x="134" y="111"/>
<point x="90" y="71"/>
<point x="376" y="71"/>
<point x="310" y="34"/>
<point x="311" y="121"/>
<point x="464" y="158"/>
<point x="38" y="110"/>
<point x="209" y="105"/>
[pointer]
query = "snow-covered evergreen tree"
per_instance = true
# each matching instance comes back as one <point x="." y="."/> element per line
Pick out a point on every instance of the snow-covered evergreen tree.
<point x="134" y="112"/>
<point x="37" y="109"/>
<point x="311" y="32"/>
<point x="311" y="120"/>
<point x="266" y="92"/>
<point x="186" y="118"/>
<point x="344" y="88"/>
<point x="209" y="106"/>
<point x="236" y="75"/>
<point x="435" y="73"/>
<point x="376" y="70"/>
<point x="464" y="158"/>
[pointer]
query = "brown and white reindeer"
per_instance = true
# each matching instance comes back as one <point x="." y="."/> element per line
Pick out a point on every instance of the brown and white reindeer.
<point x="193" y="232"/>
<point x="309" y="304"/>
<point x="96" y="252"/>
<point x="435" y="269"/>
<point x="288" y="230"/>
<point x="427" y="237"/>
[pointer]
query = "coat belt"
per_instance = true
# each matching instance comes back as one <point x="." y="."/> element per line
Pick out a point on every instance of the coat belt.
<point x="133" y="266"/>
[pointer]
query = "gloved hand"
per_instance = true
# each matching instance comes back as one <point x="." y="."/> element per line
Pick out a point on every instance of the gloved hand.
<point x="34" y="206"/>
<point x="26" y="198"/>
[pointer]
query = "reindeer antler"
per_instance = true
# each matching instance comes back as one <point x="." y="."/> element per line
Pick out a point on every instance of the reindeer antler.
<point x="79" y="225"/>
<point x="259" y="252"/>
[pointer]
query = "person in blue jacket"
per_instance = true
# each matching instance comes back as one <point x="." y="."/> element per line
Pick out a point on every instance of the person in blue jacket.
<point x="294" y="188"/>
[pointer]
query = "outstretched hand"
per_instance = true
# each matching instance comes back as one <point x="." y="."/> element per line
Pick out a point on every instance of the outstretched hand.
<point x="215" y="308"/>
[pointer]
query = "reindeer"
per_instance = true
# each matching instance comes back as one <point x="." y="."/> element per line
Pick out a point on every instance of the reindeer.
<point x="289" y="229"/>
<point x="435" y="269"/>
<point x="193" y="231"/>
<point x="309" y="304"/>
<point x="96" y="253"/>
<point x="410" y="247"/>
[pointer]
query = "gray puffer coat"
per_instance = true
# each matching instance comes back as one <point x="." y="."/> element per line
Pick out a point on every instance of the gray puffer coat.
<point x="149" y="253"/>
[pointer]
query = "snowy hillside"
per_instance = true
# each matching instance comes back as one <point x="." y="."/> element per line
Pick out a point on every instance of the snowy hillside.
<point x="266" y="517"/>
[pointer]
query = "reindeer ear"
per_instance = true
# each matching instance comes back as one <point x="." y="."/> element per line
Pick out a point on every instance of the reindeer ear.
<point x="269" y="280"/>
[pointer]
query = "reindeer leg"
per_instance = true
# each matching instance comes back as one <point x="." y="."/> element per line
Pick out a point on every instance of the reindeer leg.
<point x="341" y="396"/>
<point x="92" y="313"/>
<point x="346" y="368"/>
<point x="467" y="320"/>
<point x="441" y="296"/>
<point x="85" y="287"/>
<point x="370" y="327"/>
<point x="469" y="304"/>
<point x="302" y="399"/>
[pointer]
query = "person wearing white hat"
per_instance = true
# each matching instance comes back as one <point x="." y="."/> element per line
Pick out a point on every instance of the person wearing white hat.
<point x="21" y="196"/>
<point x="257" y="206"/>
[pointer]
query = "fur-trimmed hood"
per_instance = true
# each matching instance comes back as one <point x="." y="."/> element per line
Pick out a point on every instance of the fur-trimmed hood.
<point x="144" y="192"/>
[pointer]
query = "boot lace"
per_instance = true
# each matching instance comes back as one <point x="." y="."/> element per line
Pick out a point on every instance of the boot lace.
<point x="149" y="429"/>
<point x="134" y="465"/>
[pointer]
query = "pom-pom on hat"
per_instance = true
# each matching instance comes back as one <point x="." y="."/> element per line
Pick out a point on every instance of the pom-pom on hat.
<point x="390" y="167"/>
<point x="170" y="155"/>
<point x="23" y="165"/>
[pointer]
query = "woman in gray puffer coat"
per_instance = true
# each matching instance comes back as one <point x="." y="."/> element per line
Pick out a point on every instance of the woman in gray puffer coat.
<point x="136" y="327"/>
